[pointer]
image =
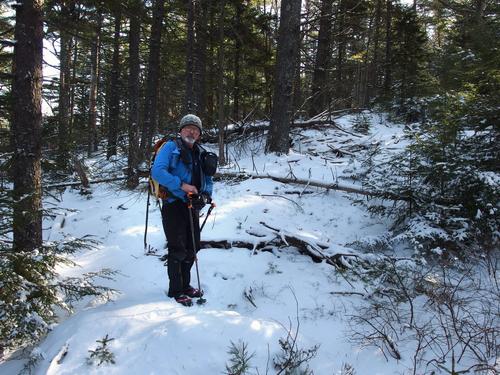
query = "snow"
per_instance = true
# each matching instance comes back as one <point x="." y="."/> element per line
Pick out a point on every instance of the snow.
<point x="490" y="178"/>
<point x="154" y="335"/>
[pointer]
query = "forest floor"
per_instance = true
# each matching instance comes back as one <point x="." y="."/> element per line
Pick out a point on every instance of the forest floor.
<point x="254" y="297"/>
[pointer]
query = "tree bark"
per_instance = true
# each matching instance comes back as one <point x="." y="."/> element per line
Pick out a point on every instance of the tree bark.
<point x="237" y="58"/>
<point x="340" y="91"/>
<point x="133" y="85"/>
<point x="374" y="65"/>
<point x="320" y="76"/>
<point x="220" y="85"/>
<point x="94" y="82"/>
<point x="360" y="89"/>
<point x="73" y="88"/>
<point x="200" y="55"/>
<point x="211" y="64"/>
<point x="388" y="49"/>
<point x="267" y="69"/>
<point x="27" y="126"/>
<point x="114" y="101"/>
<point x="288" y="47"/>
<point x="74" y="47"/>
<point x="297" y="97"/>
<point x="153" y="78"/>
<point x="64" y="114"/>
<point x="190" y="104"/>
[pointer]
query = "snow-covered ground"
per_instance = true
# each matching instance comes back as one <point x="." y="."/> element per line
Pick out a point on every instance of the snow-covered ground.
<point x="152" y="334"/>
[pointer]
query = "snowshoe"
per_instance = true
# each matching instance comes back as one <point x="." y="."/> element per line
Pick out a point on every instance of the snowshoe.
<point x="184" y="300"/>
<point x="193" y="292"/>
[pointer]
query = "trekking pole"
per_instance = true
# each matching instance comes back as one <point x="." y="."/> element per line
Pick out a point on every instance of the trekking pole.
<point x="212" y="206"/>
<point x="200" y="300"/>
<point x="146" y="227"/>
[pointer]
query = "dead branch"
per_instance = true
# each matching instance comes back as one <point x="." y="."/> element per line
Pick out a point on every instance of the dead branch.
<point x="348" y="293"/>
<point x="246" y="130"/>
<point x="280" y="196"/>
<point x="309" y="248"/>
<point x="339" y="152"/>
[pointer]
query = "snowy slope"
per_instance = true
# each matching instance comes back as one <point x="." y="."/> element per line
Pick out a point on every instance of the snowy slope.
<point x="154" y="335"/>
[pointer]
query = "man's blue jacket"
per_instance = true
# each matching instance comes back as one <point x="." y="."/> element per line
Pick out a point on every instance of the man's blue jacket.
<point x="170" y="172"/>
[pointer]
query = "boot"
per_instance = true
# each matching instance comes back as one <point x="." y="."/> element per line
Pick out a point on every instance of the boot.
<point x="184" y="300"/>
<point x="193" y="292"/>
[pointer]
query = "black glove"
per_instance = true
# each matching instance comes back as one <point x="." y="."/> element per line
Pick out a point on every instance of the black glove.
<point x="206" y="198"/>
<point x="200" y="200"/>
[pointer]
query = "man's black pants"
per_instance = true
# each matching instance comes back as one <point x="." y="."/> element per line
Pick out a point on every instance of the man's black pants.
<point x="177" y="228"/>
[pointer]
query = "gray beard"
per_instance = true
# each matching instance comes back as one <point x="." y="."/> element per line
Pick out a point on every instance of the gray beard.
<point x="189" y="140"/>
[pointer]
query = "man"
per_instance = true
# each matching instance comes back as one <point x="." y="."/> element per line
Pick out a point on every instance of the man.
<point x="178" y="168"/>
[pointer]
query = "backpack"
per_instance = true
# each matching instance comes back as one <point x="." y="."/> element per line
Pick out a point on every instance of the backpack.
<point x="208" y="160"/>
<point x="157" y="190"/>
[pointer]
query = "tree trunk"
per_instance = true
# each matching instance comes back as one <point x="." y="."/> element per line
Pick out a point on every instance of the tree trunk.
<point x="374" y="65"/>
<point x="114" y="101"/>
<point x="64" y="90"/>
<point x="200" y="55"/>
<point x="153" y="78"/>
<point x="340" y="32"/>
<point x="268" y="74"/>
<point x="320" y="76"/>
<point x="190" y="104"/>
<point x="297" y="99"/>
<point x="288" y="47"/>
<point x="74" y="49"/>
<point x="73" y="88"/>
<point x="360" y="89"/>
<point x="133" y="84"/>
<point x="94" y="80"/>
<point x="220" y="84"/>
<point x="388" y="49"/>
<point x="237" y="58"/>
<point x="27" y="126"/>
<point x="211" y="63"/>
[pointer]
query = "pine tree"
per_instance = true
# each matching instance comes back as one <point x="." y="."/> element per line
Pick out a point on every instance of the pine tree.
<point x="149" y="123"/>
<point x="323" y="55"/>
<point x="64" y="141"/>
<point x="114" y="100"/>
<point x="135" y="8"/>
<point x="26" y="126"/>
<point x="288" y="48"/>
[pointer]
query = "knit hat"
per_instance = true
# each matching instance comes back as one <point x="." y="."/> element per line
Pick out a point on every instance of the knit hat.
<point x="190" y="120"/>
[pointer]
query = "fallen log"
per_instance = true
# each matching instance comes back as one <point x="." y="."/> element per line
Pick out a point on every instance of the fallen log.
<point x="78" y="166"/>
<point x="335" y="186"/>
<point x="240" y="176"/>
<point x="225" y="244"/>
<point x="78" y="183"/>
